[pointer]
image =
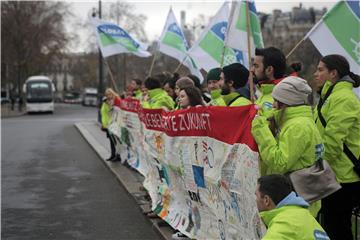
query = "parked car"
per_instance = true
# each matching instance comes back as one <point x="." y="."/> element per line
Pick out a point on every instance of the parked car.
<point x="72" y="97"/>
<point x="5" y="98"/>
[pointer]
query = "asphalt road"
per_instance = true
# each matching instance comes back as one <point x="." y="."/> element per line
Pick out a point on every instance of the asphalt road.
<point x="54" y="186"/>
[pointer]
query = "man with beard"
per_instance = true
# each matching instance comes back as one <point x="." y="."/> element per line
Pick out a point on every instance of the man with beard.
<point x="232" y="77"/>
<point x="268" y="68"/>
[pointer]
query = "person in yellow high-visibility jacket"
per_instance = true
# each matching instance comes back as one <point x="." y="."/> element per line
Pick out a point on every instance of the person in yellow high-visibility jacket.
<point x="285" y="215"/>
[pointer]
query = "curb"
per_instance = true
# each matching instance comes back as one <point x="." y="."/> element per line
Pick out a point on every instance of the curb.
<point x="128" y="180"/>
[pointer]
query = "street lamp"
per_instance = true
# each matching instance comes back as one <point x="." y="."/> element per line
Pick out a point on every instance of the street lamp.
<point x="101" y="79"/>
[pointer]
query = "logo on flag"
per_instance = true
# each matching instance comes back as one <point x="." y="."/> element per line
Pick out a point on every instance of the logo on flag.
<point x="173" y="43"/>
<point x="339" y="39"/>
<point x="113" y="40"/>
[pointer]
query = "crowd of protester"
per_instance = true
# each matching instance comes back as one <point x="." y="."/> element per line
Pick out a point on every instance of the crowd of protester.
<point x="291" y="134"/>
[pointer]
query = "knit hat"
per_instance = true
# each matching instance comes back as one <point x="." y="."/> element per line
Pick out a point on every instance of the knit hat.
<point x="213" y="74"/>
<point x="184" y="82"/>
<point x="292" y="91"/>
<point x="237" y="73"/>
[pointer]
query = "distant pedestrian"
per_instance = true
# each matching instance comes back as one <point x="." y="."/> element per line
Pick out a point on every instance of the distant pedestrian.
<point x="12" y="100"/>
<point x="21" y="102"/>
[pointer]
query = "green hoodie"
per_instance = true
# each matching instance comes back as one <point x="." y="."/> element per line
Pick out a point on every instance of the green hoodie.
<point x="341" y="112"/>
<point x="216" y="98"/>
<point x="158" y="98"/>
<point x="291" y="220"/>
<point x="105" y="118"/>
<point x="240" y="101"/>
<point x="138" y="94"/>
<point x="265" y="101"/>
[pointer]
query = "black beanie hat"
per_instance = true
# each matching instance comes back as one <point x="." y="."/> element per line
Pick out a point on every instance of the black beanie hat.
<point x="237" y="73"/>
<point x="213" y="74"/>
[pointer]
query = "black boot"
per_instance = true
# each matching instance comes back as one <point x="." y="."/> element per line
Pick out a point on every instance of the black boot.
<point x="117" y="158"/>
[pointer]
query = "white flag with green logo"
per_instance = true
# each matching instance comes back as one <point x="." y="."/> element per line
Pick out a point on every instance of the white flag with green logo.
<point x="237" y="36"/>
<point x="113" y="40"/>
<point x="208" y="49"/>
<point x="173" y="43"/>
<point x="338" y="32"/>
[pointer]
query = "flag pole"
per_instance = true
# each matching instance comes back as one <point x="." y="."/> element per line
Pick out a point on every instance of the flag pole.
<point x="180" y="64"/>
<point x="222" y="56"/>
<point x="251" y="79"/>
<point x="304" y="38"/>
<point x="294" y="48"/>
<point x="153" y="61"/>
<point x="111" y="76"/>
<point x="225" y="39"/>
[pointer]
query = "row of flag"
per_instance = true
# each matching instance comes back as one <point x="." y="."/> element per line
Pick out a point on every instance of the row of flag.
<point x="225" y="40"/>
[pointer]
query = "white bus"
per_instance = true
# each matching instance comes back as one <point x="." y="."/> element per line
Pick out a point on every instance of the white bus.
<point x="39" y="92"/>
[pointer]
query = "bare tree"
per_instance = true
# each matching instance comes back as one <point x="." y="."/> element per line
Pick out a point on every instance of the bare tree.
<point x="122" y="13"/>
<point x="32" y="34"/>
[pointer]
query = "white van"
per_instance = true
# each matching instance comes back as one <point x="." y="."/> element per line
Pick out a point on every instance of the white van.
<point x="90" y="97"/>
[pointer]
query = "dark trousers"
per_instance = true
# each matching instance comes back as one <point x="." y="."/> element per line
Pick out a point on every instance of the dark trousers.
<point x="112" y="143"/>
<point x="336" y="211"/>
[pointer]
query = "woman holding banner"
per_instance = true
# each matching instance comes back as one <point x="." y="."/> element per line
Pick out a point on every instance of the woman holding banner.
<point x="111" y="99"/>
<point x="338" y="120"/>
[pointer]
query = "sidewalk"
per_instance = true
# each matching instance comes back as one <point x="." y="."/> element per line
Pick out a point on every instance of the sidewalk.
<point x="6" y="111"/>
<point x="129" y="178"/>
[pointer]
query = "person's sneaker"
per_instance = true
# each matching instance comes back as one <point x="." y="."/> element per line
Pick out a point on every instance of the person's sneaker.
<point x="179" y="235"/>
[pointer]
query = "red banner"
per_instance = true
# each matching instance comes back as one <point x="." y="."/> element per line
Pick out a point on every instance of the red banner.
<point x="226" y="124"/>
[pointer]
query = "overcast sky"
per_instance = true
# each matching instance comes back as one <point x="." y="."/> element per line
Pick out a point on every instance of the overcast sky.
<point x="156" y="10"/>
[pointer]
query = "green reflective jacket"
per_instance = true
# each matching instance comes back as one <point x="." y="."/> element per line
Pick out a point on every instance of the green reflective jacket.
<point x="216" y="98"/>
<point x="297" y="145"/>
<point x="158" y="98"/>
<point x="341" y="112"/>
<point x="291" y="223"/>
<point x="265" y="101"/>
<point x="240" y="101"/>
<point x="105" y="118"/>
<point x="138" y="94"/>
